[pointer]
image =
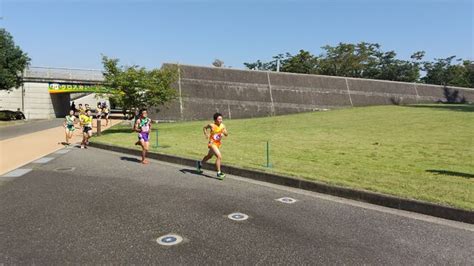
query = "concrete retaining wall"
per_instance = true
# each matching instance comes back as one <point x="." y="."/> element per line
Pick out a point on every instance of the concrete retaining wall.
<point x="235" y="93"/>
<point x="245" y="93"/>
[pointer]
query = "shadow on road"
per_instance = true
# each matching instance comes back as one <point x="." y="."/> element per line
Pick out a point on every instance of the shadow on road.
<point x="130" y="159"/>
<point x="194" y="172"/>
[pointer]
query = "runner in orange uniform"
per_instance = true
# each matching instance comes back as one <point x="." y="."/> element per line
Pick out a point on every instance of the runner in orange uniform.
<point x="214" y="133"/>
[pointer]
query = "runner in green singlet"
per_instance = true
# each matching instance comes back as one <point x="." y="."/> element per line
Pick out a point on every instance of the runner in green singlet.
<point x="69" y="126"/>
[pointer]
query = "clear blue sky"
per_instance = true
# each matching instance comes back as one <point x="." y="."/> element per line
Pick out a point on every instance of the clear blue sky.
<point x="72" y="33"/>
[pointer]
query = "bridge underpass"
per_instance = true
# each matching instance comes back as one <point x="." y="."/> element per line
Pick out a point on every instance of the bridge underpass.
<point x="39" y="99"/>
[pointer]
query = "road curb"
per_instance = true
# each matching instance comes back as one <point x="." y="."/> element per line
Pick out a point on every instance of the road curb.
<point x="359" y="195"/>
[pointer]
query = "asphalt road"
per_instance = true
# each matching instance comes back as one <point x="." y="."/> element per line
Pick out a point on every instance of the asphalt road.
<point x="111" y="209"/>
<point x="28" y="127"/>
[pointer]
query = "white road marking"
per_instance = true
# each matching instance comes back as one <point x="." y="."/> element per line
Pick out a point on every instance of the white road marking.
<point x="169" y="240"/>
<point x="44" y="160"/>
<point x="17" y="172"/>
<point x="237" y="216"/>
<point x="63" y="151"/>
<point x="344" y="201"/>
<point x="287" y="200"/>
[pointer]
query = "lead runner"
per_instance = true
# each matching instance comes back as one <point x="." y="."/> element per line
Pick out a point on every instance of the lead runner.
<point x="216" y="130"/>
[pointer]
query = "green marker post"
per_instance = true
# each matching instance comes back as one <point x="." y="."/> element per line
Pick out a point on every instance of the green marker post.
<point x="156" y="141"/>
<point x="269" y="165"/>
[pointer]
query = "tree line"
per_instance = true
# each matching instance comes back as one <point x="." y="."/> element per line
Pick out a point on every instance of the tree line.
<point x="368" y="60"/>
<point x="137" y="87"/>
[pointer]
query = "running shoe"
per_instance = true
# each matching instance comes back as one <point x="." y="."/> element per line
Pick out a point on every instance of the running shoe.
<point x="199" y="166"/>
<point x="220" y="175"/>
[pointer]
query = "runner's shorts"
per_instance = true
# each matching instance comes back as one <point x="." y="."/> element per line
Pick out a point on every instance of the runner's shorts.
<point x="143" y="136"/>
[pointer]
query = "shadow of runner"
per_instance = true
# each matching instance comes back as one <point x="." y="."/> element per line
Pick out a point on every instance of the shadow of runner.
<point x="451" y="173"/>
<point x="117" y="131"/>
<point x="195" y="172"/>
<point x="130" y="159"/>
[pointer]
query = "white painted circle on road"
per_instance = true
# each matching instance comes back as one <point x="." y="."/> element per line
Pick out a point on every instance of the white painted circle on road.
<point x="169" y="240"/>
<point x="287" y="200"/>
<point x="237" y="216"/>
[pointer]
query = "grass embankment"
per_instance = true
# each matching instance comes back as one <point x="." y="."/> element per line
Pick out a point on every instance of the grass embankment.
<point x="422" y="152"/>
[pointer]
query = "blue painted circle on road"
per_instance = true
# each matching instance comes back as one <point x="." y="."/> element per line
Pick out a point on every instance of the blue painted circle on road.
<point x="169" y="239"/>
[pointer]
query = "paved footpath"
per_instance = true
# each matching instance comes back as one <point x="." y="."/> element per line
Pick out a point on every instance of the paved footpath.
<point x="95" y="207"/>
<point x="24" y="143"/>
<point x="27" y="127"/>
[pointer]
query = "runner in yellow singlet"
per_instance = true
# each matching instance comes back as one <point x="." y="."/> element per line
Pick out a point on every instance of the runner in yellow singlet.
<point x="81" y="110"/>
<point x="86" y="123"/>
<point x="214" y="133"/>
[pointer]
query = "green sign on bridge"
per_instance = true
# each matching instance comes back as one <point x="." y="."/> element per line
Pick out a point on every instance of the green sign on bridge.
<point x="76" y="88"/>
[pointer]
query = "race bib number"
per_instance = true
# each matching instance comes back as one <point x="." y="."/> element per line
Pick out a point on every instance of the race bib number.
<point x="217" y="137"/>
<point x="145" y="128"/>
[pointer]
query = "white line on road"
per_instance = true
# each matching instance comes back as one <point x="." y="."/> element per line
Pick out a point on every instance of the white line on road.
<point x="17" y="172"/>
<point x="44" y="160"/>
<point x="63" y="151"/>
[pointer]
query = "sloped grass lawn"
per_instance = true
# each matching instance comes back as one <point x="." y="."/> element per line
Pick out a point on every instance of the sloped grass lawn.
<point x="423" y="152"/>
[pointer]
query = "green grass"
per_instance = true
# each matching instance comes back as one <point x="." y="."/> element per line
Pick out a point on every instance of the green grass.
<point x="422" y="152"/>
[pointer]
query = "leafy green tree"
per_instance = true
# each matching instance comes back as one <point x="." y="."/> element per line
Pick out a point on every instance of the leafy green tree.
<point x="303" y="62"/>
<point x="349" y="60"/>
<point x="218" y="63"/>
<point x="13" y="62"/>
<point x="469" y="66"/>
<point x="444" y="72"/>
<point x="389" y="67"/>
<point x="258" y="65"/>
<point x="268" y="66"/>
<point x="368" y="60"/>
<point x="137" y="87"/>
